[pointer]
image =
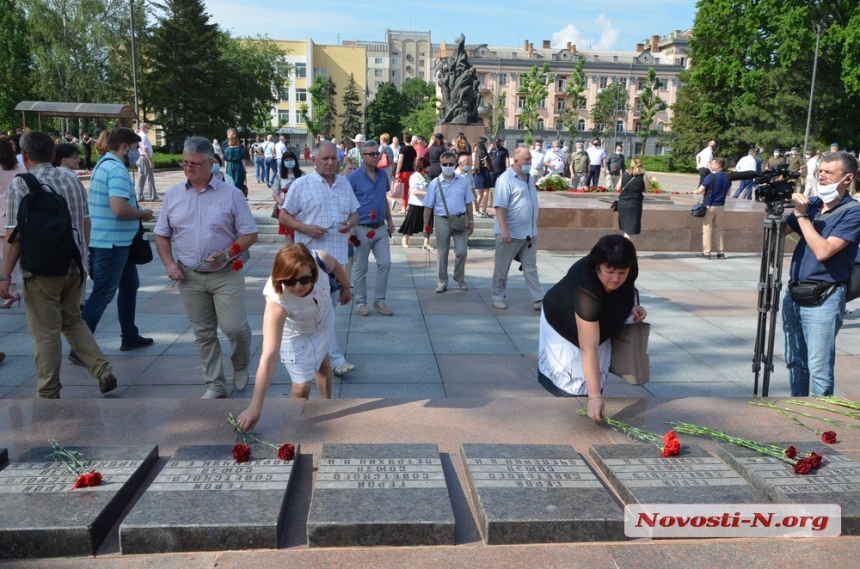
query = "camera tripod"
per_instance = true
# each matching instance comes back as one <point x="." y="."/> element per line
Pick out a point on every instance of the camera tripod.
<point x="769" y="288"/>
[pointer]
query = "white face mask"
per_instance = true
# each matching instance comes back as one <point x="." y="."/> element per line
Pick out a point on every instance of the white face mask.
<point x="830" y="192"/>
<point x="448" y="170"/>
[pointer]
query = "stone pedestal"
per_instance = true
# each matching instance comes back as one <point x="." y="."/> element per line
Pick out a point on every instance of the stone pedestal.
<point x="203" y="500"/>
<point x="42" y="514"/>
<point x="837" y="481"/>
<point x="380" y="494"/>
<point x="639" y="474"/>
<point x="538" y="494"/>
<point x="472" y="131"/>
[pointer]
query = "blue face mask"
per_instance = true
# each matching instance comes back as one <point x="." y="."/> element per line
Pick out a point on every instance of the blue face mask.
<point x="216" y="168"/>
<point x="133" y="157"/>
<point x="526" y="168"/>
<point x="290" y="163"/>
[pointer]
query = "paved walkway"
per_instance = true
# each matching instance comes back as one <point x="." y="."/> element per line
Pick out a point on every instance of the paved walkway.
<point x="703" y="316"/>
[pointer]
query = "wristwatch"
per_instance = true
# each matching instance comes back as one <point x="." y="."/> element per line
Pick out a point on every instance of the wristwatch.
<point x="4" y="279"/>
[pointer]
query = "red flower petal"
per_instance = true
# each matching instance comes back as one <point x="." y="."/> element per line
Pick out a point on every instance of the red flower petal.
<point x="287" y="452"/>
<point x="237" y="265"/>
<point x="829" y="437"/>
<point x="81" y="482"/>
<point x="373" y="215"/>
<point x="428" y="229"/>
<point x="815" y="459"/>
<point x="371" y="234"/>
<point x="242" y="453"/>
<point x="803" y="466"/>
<point x="791" y="452"/>
<point x="235" y="248"/>
<point x="95" y="479"/>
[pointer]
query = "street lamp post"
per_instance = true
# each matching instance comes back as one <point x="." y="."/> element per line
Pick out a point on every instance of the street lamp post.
<point x="134" y="63"/>
<point x="812" y="87"/>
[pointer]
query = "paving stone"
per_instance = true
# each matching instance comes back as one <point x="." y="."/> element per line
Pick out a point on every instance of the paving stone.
<point x="203" y="500"/>
<point x="837" y="481"/>
<point x="380" y="494"/>
<point x="538" y="494"/>
<point x="44" y="515"/>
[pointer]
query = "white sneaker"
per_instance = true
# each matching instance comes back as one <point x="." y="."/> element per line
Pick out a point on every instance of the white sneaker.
<point x="343" y="369"/>
<point x="441" y="287"/>
<point x="499" y="304"/>
<point x="240" y="379"/>
<point x="382" y="308"/>
<point x="362" y="310"/>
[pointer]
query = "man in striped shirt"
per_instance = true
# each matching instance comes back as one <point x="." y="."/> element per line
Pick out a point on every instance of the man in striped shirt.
<point x="115" y="221"/>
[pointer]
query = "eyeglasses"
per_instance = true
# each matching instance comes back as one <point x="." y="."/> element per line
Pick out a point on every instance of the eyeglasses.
<point x="191" y="165"/>
<point x="300" y="280"/>
<point x="829" y="175"/>
<point x="448" y="165"/>
<point x="371" y="154"/>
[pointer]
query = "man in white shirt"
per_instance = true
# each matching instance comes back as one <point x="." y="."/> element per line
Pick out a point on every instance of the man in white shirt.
<point x="554" y="159"/>
<point x="746" y="164"/>
<point x="537" y="160"/>
<point x="280" y="148"/>
<point x="703" y="160"/>
<point x="811" y="172"/>
<point x="596" y="162"/>
<point x="271" y="164"/>
<point x="145" y="164"/>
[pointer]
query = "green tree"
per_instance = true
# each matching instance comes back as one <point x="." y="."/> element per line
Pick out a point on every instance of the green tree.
<point x="650" y="104"/>
<point x="181" y="74"/>
<point x="352" y="111"/>
<point x="496" y="114"/>
<point x="386" y="111"/>
<point x="422" y="120"/>
<point x="575" y="89"/>
<point x="15" y="55"/>
<point x="611" y="104"/>
<point x="535" y="86"/>
<point x="256" y="70"/>
<point x="320" y="118"/>
<point x="416" y="91"/>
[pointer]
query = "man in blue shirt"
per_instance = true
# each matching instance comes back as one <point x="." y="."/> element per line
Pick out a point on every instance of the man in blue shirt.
<point x="115" y="219"/>
<point x="715" y="186"/>
<point x="829" y="228"/>
<point x="370" y="185"/>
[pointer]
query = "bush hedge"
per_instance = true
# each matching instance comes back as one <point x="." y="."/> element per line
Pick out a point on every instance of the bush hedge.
<point x="163" y="160"/>
<point x="661" y="164"/>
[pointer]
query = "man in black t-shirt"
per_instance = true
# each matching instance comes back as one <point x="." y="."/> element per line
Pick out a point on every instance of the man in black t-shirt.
<point x="405" y="166"/>
<point x="501" y="160"/>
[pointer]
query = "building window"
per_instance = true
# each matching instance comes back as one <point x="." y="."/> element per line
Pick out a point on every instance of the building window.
<point x="283" y="117"/>
<point x="623" y="82"/>
<point x="661" y="126"/>
<point x="394" y="73"/>
<point x="561" y="85"/>
<point x="520" y="124"/>
<point x="664" y="85"/>
<point x="284" y="94"/>
<point x="559" y="105"/>
<point x="301" y="95"/>
<point x="321" y="71"/>
<point x="521" y="102"/>
<point x="637" y="127"/>
<point x="394" y="61"/>
<point x="421" y="74"/>
<point x="637" y="149"/>
<point x="640" y="84"/>
<point x="659" y="150"/>
<point x="301" y="70"/>
<point x="540" y="124"/>
<point x="603" y="82"/>
<point x="379" y="84"/>
<point x="377" y="72"/>
<point x="421" y="62"/>
<point x="503" y="79"/>
<point x="583" y="105"/>
<point x="559" y="125"/>
<point x="599" y="127"/>
<point x="580" y="126"/>
<point x="542" y="104"/>
<point x="502" y="123"/>
<point x="619" y="126"/>
<point x="377" y="61"/>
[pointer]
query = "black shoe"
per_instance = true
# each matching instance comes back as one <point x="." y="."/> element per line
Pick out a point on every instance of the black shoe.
<point x="75" y="359"/>
<point x="721" y="255"/>
<point x="704" y="256"/>
<point x="107" y="383"/>
<point x="138" y="342"/>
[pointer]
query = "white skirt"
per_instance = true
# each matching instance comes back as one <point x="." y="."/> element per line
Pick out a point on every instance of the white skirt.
<point x="303" y="355"/>
<point x="561" y="361"/>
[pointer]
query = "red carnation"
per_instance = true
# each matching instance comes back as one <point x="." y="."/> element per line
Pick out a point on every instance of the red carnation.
<point x="670" y="436"/>
<point x="427" y="229"/>
<point x="284" y="190"/>
<point x="815" y="459"/>
<point x="370" y="234"/>
<point x="237" y="265"/>
<point x="81" y="482"/>
<point x="829" y="437"/>
<point x="671" y="448"/>
<point x="791" y="452"/>
<point x="373" y="215"/>
<point x="803" y="466"/>
<point x="235" y="248"/>
<point x="287" y="452"/>
<point x="95" y="479"/>
<point x="353" y="240"/>
<point x="242" y="453"/>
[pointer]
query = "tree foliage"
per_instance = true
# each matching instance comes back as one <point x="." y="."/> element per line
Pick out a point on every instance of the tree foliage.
<point x="612" y="103"/>
<point x="256" y="71"/>
<point x="386" y="111"/>
<point x="422" y="120"/>
<point x="751" y="70"/>
<point x="17" y="64"/>
<point x="321" y="117"/>
<point x="575" y="89"/>
<point x="650" y="104"/>
<point x="352" y="111"/>
<point x="535" y="86"/>
<point x="496" y="114"/>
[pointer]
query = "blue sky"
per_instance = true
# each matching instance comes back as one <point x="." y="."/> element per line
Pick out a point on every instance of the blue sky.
<point x="615" y="25"/>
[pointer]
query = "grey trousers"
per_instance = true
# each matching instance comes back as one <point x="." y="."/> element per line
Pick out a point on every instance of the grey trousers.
<point x="145" y="178"/>
<point x="443" y="245"/>
<point x="381" y="248"/>
<point x="505" y="253"/>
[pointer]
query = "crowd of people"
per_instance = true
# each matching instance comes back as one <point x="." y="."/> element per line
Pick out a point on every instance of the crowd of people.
<point x="340" y="212"/>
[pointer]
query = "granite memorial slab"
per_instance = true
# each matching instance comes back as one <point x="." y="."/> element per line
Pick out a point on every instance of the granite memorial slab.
<point x="639" y="474"/>
<point x="203" y="500"/>
<point x="380" y="494"/>
<point x="539" y="494"/>
<point x="837" y="481"/>
<point x="42" y="514"/>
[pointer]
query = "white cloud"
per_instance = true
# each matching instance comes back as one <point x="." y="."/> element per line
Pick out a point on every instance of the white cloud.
<point x="602" y="24"/>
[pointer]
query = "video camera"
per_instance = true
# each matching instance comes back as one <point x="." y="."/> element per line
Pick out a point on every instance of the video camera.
<point x="773" y="185"/>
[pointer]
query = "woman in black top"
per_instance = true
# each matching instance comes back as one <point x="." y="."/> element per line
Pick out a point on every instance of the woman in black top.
<point x="87" y="143"/>
<point x="632" y="185"/>
<point x="580" y="316"/>
<point x="435" y="153"/>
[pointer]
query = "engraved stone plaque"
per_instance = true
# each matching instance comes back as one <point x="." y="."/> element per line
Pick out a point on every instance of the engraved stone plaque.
<point x="385" y="494"/>
<point x="42" y="514"/>
<point x="203" y="500"/>
<point x="837" y="481"/>
<point x="539" y="494"/>
<point x="640" y="475"/>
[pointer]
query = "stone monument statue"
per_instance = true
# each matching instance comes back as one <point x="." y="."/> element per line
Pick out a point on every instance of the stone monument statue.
<point x="459" y="84"/>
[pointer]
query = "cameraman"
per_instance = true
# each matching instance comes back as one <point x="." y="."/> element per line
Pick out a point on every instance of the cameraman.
<point x="814" y="304"/>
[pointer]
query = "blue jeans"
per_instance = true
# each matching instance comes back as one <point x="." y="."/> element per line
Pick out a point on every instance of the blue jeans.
<point x="271" y="166"/>
<point x="113" y="270"/>
<point x="594" y="175"/>
<point x="810" y="342"/>
<point x="745" y="189"/>
<point x="258" y="168"/>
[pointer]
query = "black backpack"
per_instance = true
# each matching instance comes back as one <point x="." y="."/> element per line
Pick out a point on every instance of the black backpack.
<point x="45" y="225"/>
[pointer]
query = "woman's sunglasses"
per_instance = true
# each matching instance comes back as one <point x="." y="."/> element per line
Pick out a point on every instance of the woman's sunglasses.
<point x="301" y="280"/>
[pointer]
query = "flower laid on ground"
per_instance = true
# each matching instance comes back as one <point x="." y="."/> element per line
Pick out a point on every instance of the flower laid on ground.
<point x="588" y="190"/>
<point x="654" y="186"/>
<point x="71" y="459"/>
<point x="553" y="183"/>
<point x="242" y="451"/>
<point x="668" y="444"/>
<point x="801" y="465"/>
<point x="354" y="241"/>
<point x="792" y="414"/>
<point x="370" y="234"/>
<point x="829" y="437"/>
<point x="237" y="265"/>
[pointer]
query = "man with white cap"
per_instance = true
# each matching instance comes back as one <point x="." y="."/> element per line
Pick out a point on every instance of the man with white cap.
<point x="355" y="151"/>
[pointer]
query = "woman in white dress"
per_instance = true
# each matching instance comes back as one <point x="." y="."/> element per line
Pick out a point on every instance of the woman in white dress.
<point x="298" y="325"/>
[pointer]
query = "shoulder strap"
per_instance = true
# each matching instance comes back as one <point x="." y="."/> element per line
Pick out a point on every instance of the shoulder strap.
<point x="33" y="183"/>
<point x="441" y="193"/>
<point x="321" y="263"/>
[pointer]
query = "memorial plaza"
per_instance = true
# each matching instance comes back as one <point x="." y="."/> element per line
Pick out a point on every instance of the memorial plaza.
<point x="446" y="374"/>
